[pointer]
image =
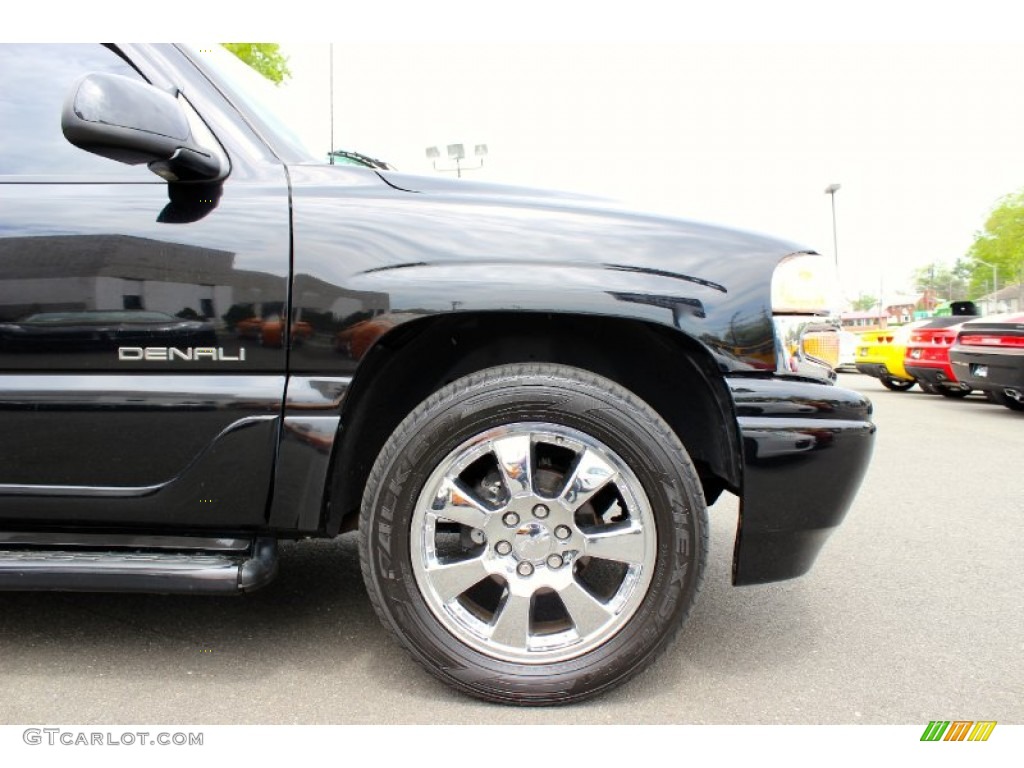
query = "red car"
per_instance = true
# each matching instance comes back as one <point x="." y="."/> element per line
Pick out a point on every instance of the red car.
<point x="989" y="355"/>
<point x="268" y="330"/>
<point x="927" y="356"/>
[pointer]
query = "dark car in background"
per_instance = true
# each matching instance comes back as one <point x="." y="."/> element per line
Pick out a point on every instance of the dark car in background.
<point x="989" y="355"/>
<point x="103" y="329"/>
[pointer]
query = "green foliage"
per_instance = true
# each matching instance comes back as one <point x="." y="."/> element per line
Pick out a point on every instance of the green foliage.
<point x="943" y="280"/>
<point x="864" y="302"/>
<point x="265" y="58"/>
<point x="1001" y="244"/>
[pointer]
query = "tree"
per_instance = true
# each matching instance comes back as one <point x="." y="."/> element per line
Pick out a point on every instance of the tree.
<point x="863" y="303"/>
<point x="265" y="58"/>
<point x="943" y="280"/>
<point x="1000" y="244"/>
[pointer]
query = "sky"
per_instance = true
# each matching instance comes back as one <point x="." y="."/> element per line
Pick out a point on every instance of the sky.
<point x="923" y="138"/>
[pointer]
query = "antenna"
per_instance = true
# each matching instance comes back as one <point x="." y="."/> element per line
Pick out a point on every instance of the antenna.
<point x="331" y="100"/>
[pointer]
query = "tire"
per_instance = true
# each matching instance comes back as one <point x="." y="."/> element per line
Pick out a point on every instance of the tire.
<point x="1005" y="400"/>
<point x="597" y="479"/>
<point x="930" y="389"/>
<point x="954" y="394"/>
<point x="897" y="385"/>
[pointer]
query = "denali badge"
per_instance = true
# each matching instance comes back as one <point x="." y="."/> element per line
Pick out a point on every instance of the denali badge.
<point x="175" y="353"/>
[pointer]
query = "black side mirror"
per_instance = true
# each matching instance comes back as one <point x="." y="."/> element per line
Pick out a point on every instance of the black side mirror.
<point x="132" y="122"/>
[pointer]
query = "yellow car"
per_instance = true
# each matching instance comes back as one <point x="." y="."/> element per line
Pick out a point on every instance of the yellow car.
<point x="880" y="354"/>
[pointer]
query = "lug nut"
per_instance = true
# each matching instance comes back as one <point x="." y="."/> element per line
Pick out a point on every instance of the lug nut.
<point x="555" y="561"/>
<point x="478" y="536"/>
<point x="524" y="569"/>
<point x="502" y="547"/>
<point x="511" y="519"/>
<point x="562" y="532"/>
<point x="540" y="511"/>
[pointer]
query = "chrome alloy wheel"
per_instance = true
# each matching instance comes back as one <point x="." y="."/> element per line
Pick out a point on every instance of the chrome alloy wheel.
<point x="533" y="543"/>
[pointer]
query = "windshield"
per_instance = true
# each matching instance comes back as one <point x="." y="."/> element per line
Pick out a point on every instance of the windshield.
<point x="255" y="96"/>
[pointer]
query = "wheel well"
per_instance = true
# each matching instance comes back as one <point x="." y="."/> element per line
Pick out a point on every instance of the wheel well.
<point x="671" y="372"/>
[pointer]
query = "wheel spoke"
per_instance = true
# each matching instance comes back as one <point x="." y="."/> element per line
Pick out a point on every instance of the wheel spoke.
<point x="624" y="545"/>
<point x="588" y="614"/>
<point x="455" y="503"/>
<point x="512" y="626"/>
<point x="452" y="579"/>
<point x="513" y="454"/>
<point x="592" y="473"/>
<point x="536" y="498"/>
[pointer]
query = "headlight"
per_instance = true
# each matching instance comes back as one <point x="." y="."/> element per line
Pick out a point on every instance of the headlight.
<point x="805" y="284"/>
<point x="804" y="296"/>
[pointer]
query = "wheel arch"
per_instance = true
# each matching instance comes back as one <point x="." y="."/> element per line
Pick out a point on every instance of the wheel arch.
<point x="669" y="370"/>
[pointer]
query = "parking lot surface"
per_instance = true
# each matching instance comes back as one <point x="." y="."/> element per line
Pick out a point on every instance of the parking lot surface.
<point x="912" y="613"/>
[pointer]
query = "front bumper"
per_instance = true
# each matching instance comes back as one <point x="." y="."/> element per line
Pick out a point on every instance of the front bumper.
<point x="806" y="448"/>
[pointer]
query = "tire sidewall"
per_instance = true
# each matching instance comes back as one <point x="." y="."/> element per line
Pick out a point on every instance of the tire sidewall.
<point x="640" y="439"/>
<point x="897" y="385"/>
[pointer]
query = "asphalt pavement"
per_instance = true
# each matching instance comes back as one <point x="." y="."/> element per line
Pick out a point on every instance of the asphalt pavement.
<point x="912" y="613"/>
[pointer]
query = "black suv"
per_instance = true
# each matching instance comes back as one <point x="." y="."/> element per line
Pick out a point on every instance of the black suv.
<point x="523" y="401"/>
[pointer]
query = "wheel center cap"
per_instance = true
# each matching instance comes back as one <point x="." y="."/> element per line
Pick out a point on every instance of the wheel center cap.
<point x="532" y="541"/>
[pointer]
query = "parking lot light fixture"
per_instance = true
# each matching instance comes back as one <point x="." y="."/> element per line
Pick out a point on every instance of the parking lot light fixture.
<point x="457" y="153"/>
<point x="831" y="190"/>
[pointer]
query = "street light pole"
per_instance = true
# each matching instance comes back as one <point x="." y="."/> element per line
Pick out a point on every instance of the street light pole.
<point x="831" y="190"/>
<point x="995" y="280"/>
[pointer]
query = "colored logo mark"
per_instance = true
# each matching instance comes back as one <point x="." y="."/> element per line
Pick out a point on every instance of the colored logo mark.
<point x="958" y="730"/>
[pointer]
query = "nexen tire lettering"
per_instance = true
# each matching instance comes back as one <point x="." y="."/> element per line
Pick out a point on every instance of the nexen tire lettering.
<point x="164" y="354"/>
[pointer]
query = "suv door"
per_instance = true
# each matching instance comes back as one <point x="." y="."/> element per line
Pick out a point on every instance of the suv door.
<point x="130" y="393"/>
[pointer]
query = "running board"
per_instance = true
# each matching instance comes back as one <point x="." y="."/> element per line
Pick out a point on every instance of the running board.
<point x="140" y="570"/>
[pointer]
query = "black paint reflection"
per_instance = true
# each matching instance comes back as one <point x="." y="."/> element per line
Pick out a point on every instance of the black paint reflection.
<point x="122" y="302"/>
<point x="417" y="247"/>
<point x="102" y="330"/>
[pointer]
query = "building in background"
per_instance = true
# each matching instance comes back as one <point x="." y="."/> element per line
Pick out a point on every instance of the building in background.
<point x="1010" y="298"/>
<point x="871" y="320"/>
